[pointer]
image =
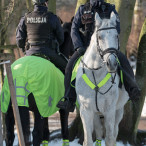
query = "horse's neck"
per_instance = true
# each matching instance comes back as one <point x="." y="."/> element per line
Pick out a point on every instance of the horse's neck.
<point x="91" y="57"/>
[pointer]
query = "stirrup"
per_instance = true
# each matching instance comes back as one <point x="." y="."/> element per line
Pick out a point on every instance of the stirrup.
<point x="61" y="103"/>
<point x="65" y="142"/>
<point x="45" y="143"/>
<point x="98" y="142"/>
<point x="66" y="104"/>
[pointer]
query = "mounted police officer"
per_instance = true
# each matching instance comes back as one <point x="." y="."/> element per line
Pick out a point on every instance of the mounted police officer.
<point x="81" y="32"/>
<point x="42" y="31"/>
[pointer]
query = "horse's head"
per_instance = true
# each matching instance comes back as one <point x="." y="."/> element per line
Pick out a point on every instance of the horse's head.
<point x="107" y="40"/>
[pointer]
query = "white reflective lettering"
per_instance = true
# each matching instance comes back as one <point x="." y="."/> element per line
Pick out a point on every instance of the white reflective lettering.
<point x="39" y="20"/>
<point x="36" y="20"/>
<point x="45" y="20"/>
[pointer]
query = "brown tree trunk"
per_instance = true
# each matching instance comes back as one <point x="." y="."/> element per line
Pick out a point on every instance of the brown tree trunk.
<point x="29" y="5"/>
<point x="141" y="77"/>
<point x="129" y="124"/>
<point x="125" y="10"/>
<point x="80" y="2"/>
<point x="132" y="45"/>
<point x="52" y="6"/>
<point x="1" y="71"/>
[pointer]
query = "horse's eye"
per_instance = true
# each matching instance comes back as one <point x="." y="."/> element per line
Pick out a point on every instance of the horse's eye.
<point x="99" y="37"/>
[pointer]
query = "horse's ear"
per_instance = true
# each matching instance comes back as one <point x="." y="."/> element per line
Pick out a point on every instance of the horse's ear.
<point x="113" y="18"/>
<point x="97" y="19"/>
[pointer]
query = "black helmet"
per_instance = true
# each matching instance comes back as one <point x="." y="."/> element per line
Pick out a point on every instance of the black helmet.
<point x="95" y="2"/>
<point x="38" y="2"/>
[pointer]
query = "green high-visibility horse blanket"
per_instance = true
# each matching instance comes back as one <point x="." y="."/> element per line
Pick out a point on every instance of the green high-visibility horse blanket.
<point x="35" y="75"/>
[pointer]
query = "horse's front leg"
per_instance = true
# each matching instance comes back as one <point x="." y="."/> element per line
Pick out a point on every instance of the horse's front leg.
<point x="110" y="139"/>
<point x="98" y="127"/>
<point x="64" y="125"/>
<point x="25" y="122"/>
<point x="87" y="120"/>
<point x="118" y="118"/>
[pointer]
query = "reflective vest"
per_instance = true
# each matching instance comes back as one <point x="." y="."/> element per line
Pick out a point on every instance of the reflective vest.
<point x="38" y="27"/>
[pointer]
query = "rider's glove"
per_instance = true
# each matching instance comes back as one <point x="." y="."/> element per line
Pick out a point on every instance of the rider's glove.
<point x="81" y="50"/>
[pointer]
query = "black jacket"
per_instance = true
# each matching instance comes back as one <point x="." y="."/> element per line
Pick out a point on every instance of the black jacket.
<point x="54" y="23"/>
<point x="77" y="24"/>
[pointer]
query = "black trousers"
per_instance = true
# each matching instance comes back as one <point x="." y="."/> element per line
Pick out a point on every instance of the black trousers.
<point x="70" y="91"/>
<point x="58" y="60"/>
<point x="130" y="74"/>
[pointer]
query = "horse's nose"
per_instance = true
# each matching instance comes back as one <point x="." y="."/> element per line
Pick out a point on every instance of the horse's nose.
<point x="112" y="61"/>
<point x="112" y="64"/>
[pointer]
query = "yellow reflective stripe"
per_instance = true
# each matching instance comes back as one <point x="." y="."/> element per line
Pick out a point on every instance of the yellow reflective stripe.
<point x="118" y="60"/>
<point x="65" y="142"/>
<point x="107" y="77"/>
<point x="88" y="82"/>
<point x="45" y="143"/>
<point x="98" y="142"/>
<point x="121" y="73"/>
<point x="72" y="85"/>
<point x="91" y="85"/>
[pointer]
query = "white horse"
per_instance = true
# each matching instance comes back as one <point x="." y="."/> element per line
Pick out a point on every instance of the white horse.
<point x="97" y="84"/>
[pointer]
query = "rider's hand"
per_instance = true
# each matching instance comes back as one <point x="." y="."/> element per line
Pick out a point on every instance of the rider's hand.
<point x="81" y="50"/>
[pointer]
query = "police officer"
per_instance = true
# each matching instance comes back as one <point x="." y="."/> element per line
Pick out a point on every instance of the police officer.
<point x="81" y="32"/>
<point x="43" y="32"/>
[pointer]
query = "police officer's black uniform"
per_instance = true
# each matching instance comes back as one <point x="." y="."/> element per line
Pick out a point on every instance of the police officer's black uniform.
<point x="82" y="30"/>
<point x="44" y="34"/>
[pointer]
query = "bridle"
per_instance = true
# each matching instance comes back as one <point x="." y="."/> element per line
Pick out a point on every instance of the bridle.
<point x="101" y="52"/>
<point x="113" y="51"/>
<point x="108" y="50"/>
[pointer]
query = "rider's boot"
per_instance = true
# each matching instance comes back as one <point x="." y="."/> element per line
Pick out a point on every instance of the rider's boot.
<point x="69" y="100"/>
<point x="65" y="142"/>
